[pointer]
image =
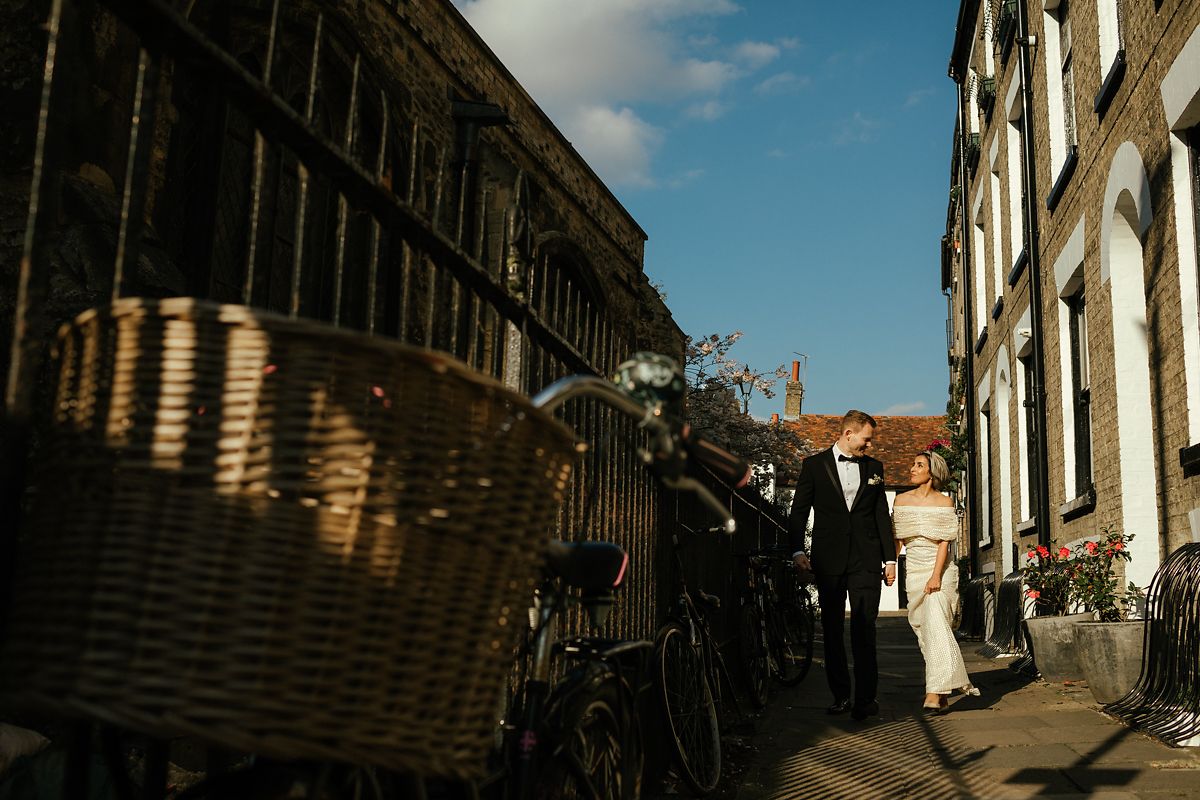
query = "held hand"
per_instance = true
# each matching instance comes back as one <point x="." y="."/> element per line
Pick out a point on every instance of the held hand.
<point x="934" y="585"/>
<point x="889" y="574"/>
<point x="801" y="562"/>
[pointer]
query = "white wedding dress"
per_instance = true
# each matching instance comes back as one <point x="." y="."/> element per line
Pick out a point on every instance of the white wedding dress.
<point x="921" y="528"/>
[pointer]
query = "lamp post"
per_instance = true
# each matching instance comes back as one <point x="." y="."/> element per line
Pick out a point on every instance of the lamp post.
<point x="745" y="384"/>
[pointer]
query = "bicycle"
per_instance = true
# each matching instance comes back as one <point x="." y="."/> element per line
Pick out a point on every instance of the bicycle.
<point x="695" y="688"/>
<point x="588" y="737"/>
<point x="775" y="629"/>
<point x="576" y="738"/>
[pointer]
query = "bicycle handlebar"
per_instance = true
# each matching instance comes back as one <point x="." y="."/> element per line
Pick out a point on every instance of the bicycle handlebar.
<point x="672" y="441"/>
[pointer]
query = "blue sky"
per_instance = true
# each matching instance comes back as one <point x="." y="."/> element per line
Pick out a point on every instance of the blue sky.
<point x="788" y="159"/>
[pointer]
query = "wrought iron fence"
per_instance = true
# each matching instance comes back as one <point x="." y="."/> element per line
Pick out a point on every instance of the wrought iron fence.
<point x="1007" y="636"/>
<point x="1165" y="701"/>
<point x="263" y="156"/>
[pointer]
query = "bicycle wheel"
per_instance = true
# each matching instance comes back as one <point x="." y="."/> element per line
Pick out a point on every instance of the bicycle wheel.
<point x="752" y="653"/>
<point x="791" y="641"/>
<point x="594" y="747"/>
<point x="689" y="710"/>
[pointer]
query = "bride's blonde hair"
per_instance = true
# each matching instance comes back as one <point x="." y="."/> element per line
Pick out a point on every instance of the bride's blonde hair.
<point x="937" y="469"/>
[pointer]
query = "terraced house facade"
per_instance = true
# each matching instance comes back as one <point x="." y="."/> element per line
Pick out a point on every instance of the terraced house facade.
<point x="1070" y="260"/>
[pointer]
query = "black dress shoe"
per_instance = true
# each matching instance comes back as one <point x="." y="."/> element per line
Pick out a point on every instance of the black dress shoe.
<point x="839" y="707"/>
<point x="861" y="712"/>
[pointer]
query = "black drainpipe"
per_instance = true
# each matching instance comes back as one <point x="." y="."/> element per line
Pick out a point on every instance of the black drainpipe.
<point x="969" y="414"/>
<point x="1025" y="42"/>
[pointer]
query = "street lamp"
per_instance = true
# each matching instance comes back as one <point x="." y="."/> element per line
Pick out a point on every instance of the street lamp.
<point x="745" y="384"/>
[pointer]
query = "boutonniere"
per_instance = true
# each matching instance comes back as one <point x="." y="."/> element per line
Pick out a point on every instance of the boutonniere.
<point x="874" y="480"/>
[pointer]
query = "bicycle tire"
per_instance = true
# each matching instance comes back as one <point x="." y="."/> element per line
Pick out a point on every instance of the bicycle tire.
<point x="689" y="710"/>
<point x="595" y="746"/>
<point x="791" y="639"/>
<point x="753" y="655"/>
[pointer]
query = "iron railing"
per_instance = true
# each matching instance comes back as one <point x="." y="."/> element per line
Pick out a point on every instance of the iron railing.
<point x="265" y="155"/>
<point x="978" y="601"/>
<point x="1007" y="636"/>
<point x="1165" y="701"/>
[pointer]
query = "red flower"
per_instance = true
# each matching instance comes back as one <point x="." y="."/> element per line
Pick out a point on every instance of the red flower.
<point x="1118" y="545"/>
<point x="1042" y="551"/>
<point x="1091" y="547"/>
<point x="1033" y="593"/>
<point x="1030" y="555"/>
<point x="1063" y="552"/>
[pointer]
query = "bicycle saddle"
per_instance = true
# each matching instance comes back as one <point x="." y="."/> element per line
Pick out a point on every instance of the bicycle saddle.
<point x="590" y="566"/>
<point x="710" y="600"/>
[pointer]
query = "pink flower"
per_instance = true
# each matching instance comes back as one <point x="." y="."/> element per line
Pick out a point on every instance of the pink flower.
<point x="1091" y="547"/>
<point x="1063" y="552"/>
<point x="1033" y="593"/>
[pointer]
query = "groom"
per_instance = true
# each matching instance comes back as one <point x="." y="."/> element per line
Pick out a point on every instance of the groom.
<point x="851" y="542"/>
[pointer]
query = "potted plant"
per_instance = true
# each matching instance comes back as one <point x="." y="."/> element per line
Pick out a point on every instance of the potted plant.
<point x="1109" y="648"/>
<point x="1048" y="575"/>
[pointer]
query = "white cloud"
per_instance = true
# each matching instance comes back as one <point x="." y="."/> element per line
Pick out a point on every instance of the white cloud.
<point x="686" y="177"/>
<point x="783" y="83"/>
<point x="915" y="97"/>
<point x="901" y="409"/>
<point x="589" y="63"/>
<point x="608" y="51"/>
<point x="775" y="152"/>
<point x="756" y="54"/>
<point x="859" y="129"/>
<point x="619" y="140"/>
<point x="708" y="110"/>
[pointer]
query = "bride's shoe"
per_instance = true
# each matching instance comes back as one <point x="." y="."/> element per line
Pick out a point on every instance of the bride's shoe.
<point x="940" y="707"/>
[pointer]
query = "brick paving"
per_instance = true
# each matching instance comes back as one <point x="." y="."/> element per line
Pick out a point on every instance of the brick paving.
<point x="1020" y="738"/>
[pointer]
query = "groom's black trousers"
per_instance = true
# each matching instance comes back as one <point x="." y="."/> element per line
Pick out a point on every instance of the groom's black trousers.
<point x="864" y="589"/>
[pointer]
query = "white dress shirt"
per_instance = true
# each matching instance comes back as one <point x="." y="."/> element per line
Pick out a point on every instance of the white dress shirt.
<point x="848" y="473"/>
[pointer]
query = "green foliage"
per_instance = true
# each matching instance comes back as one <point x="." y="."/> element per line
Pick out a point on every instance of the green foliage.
<point x="1048" y="575"/>
<point x="716" y="383"/>
<point x="1061" y="579"/>
<point x="1093" y="583"/>
<point x="954" y="449"/>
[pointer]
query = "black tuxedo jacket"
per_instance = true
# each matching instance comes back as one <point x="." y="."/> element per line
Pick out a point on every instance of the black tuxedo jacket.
<point x="866" y="526"/>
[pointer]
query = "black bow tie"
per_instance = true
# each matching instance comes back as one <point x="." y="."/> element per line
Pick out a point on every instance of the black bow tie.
<point x="851" y="459"/>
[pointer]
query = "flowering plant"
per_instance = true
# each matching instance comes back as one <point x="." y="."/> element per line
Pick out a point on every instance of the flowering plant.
<point x="954" y="460"/>
<point x="1092" y="581"/>
<point x="1047" y="573"/>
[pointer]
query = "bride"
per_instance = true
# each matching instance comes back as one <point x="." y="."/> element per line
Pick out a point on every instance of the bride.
<point x="925" y="523"/>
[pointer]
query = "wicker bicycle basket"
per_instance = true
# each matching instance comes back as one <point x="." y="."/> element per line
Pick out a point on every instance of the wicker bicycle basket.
<point x="281" y="537"/>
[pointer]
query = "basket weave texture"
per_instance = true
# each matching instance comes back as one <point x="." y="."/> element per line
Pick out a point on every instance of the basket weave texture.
<point x="280" y="537"/>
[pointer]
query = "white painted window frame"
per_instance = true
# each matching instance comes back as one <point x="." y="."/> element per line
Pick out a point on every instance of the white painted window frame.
<point x="1014" y="110"/>
<point x="997" y="219"/>
<point x="1056" y="119"/>
<point x="983" y="448"/>
<point x="1180" y="91"/>
<point x="1068" y="280"/>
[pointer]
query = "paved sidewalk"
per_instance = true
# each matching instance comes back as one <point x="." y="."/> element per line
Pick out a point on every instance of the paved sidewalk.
<point x="1021" y="738"/>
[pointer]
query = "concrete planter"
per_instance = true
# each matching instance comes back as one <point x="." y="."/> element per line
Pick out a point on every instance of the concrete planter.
<point x="1111" y="656"/>
<point x="1053" y="643"/>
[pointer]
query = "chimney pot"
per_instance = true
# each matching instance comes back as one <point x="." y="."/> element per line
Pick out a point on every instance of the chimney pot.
<point x="774" y="419"/>
<point x="795" y="371"/>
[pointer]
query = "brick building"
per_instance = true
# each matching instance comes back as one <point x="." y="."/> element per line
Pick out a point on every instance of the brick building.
<point x="1070" y="258"/>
